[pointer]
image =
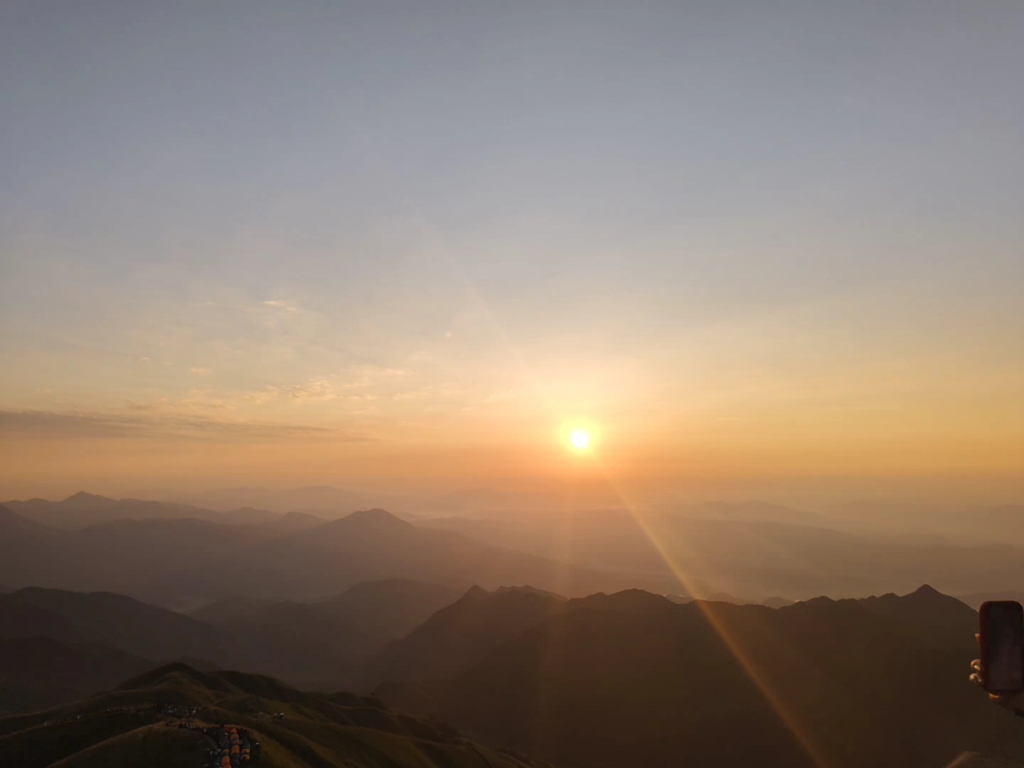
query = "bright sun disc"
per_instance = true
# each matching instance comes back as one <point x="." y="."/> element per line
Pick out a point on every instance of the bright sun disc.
<point x="579" y="439"/>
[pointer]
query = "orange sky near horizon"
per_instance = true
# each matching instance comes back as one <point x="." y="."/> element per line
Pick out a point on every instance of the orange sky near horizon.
<point x="417" y="270"/>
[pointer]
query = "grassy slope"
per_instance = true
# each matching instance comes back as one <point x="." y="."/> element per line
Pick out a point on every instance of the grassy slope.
<point x="44" y="743"/>
<point x="154" y="746"/>
<point x="318" y="731"/>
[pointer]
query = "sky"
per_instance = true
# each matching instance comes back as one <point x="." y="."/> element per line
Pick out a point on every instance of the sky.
<point x="411" y="245"/>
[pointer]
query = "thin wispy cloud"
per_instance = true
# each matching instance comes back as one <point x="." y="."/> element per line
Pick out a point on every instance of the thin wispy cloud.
<point x="85" y="425"/>
<point x="315" y="390"/>
<point x="262" y="396"/>
<point x="281" y="304"/>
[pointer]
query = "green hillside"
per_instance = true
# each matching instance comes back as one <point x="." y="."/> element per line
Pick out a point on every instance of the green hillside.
<point x="146" y="721"/>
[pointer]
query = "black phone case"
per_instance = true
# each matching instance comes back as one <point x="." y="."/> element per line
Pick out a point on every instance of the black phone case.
<point x="985" y="634"/>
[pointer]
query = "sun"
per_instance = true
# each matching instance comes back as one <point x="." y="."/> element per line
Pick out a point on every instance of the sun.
<point x="580" y="439"/>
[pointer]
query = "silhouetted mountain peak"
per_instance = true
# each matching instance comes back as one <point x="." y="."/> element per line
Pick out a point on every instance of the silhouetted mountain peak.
<point x="526" y="589"/>
<point x="626" y="600"/>
<point x="924" y="597"/>
<point x="175" y="671"/>
<point x="462" y="634"/>
<point x="816" y="601"/>
<point x="927" y="598"/>
<point x="375" y="518"/>
<point x="83" y="497"/>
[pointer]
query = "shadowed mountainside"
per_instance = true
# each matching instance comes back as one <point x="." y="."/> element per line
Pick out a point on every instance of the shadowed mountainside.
<point x="458" y="636"/>
<point x="115" y="621"/>
<point x="318" y="644"/>
<point x="40" y="672"/>
<point x="877" y="682"/>
<point x="623" y="679"/>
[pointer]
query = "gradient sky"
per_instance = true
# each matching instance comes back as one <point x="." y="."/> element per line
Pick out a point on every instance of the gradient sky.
<point x="384" y="243"/>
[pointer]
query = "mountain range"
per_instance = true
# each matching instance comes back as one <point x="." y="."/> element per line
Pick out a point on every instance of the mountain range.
<point x="322" y="500"/>
<point x="185" y="556"/>
<point x="633" y="679"/>
<point x="319" y="645"/>
<point x="186" y="562"/>
<point x="742" y="550"/>
<point x="624" y="679"/>
<point x="84" y="509"/>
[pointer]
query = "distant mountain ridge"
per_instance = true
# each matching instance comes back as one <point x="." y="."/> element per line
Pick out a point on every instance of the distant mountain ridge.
<point x="184" y="562"/>
<point x="324" y="501"/>
<point x="740" y="550"/>
<point x="83" y="509"/>
<point x="181" y="556"/>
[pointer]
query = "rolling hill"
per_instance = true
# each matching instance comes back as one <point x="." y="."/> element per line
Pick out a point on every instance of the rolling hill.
<point x="124" y="727"/>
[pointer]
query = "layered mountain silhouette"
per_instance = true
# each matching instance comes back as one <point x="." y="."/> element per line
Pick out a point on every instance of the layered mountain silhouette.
<point x="633" y="679"/>
<point x="418" y="613"/>
<point x="322" y="500"/>
<point x="320" y="644"/>
<point x="623" y="679"/>
<point x="752" y="551"/>
<point x="84" y="509"/>
<point x="186" y="562"/>
<point x="13" y="525"/>
<point x="183" y="556"/>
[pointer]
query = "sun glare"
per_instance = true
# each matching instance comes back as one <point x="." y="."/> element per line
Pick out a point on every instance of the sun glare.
<point x="579" y="439"/>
